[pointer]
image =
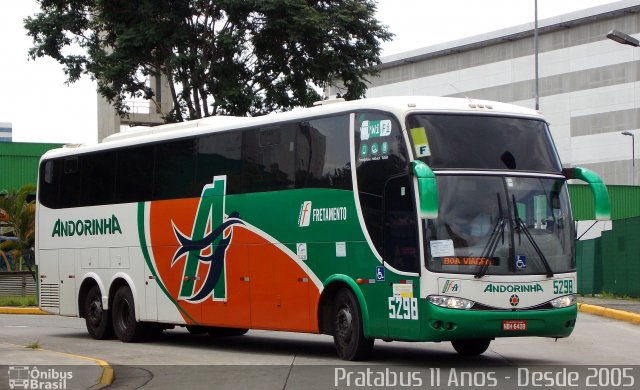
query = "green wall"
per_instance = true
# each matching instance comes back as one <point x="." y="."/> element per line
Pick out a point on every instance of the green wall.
<point x="625" y="201"/>
<point x="19" y="163"/>
<point x="611" y="263"/>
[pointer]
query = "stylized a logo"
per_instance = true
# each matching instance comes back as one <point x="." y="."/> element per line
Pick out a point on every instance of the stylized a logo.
<point x="208" y="243"/>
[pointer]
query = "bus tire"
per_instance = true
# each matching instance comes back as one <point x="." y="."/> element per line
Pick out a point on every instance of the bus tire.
<point x="125" y="326"/>
<point x="472" y="347"/>
<point x="348" y="334"/>
<point x="97" y="319"/>
<point x="215" y="331"/>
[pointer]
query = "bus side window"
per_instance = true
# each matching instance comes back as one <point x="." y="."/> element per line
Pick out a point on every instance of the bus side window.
<point x="269" y="157"/>
<point x="98" y="178"/>
<point x="70" y="196"/>
<point x="400" y="238"/>
<point x="323" y="157"/>
<point x="175" y="170"/>
<point x="134" y="174"/>
<point x="49" y="187"/>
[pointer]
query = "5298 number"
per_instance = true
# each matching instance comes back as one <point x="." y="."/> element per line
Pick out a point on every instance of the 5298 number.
<point x="564" y="286"/>
<point x="402" y="308"/>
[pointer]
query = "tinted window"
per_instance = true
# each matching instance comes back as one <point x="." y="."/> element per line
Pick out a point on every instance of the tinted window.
<point x="98" y="178"/>
<point x="70" y="183"/>
<point x="134" y="176"/>
<point x="269" y="158"/>
<point x="220" y="154"/>
<point x="483" y="142"/>
<point x="381" y="154"/>
<point x="175" y="170"/>
<point x="323" y="153"/>
<point x="48" y="188"/>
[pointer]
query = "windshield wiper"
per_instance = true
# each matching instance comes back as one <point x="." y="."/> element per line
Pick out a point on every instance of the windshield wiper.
<point x="521" y="226"/>
<point x="490" y="248"/>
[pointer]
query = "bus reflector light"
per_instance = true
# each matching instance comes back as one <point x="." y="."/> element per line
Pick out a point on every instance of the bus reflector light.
<point x="365" y="281"/>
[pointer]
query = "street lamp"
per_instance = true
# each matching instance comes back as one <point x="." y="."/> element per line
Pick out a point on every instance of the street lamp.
<point x="627" y="39"/>
<point x="623" y="38"/>
<point x="633" y="154"/>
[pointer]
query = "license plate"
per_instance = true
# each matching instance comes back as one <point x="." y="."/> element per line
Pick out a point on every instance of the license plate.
<point x="514" y="325"/>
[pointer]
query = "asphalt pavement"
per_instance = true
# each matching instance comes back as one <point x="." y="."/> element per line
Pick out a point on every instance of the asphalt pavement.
<point x="97" y="374"/>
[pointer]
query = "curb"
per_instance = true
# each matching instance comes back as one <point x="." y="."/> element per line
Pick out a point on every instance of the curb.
<point x="21" y="310"/>
<point x="615" y="314"/>
<point x="107" y="377"/>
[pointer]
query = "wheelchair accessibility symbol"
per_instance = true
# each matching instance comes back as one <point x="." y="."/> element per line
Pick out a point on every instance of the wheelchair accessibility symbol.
<point x="380" y="274"/>
<point x="521" y="262"/>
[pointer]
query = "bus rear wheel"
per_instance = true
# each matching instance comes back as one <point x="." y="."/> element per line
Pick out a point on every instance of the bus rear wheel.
<point x="473" y="347"/>
<point x="348" y="334"/>
<point x="125" y="326"/>
<point x="97" y="319"/>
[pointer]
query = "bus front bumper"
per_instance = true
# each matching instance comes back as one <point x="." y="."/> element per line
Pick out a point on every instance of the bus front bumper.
<point x="444" y="324"/>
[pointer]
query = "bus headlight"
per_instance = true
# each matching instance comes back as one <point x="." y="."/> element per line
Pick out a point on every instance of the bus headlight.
<point x="450" y="302"/>
<point x="564" y="301"/>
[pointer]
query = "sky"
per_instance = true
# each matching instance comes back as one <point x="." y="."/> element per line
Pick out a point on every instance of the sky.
<point x="42" y="108"/>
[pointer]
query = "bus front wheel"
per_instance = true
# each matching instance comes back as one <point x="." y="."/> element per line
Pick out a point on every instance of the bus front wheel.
<point x="125" y="326"/>
<point x="97" y="319"/>
<point x="473" y="347"/>
<point x="348" y="334"/>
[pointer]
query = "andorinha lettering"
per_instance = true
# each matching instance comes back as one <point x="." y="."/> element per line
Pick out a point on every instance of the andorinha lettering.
<point x="513" y="288"/>
<point x="86" y="227"/>
<point x="330" y="214"/>
<point x="470" y="261"/>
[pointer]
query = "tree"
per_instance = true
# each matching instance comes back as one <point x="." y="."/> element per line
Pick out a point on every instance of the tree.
<point x="17" y="218"/>
<point x="233" y="57"/>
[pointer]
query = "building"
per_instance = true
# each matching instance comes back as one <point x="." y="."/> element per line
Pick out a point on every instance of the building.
<point x="589" y="86"/>
<point x="6" y="132"/>
<point x="141" y="113"/>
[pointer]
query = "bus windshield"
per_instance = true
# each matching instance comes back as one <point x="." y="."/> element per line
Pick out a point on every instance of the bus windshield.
<point x="445" y="141"/>
<point x="500" y="225"/>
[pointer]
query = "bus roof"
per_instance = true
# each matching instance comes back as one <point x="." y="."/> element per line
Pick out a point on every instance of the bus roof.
<point x="398" y="105"/>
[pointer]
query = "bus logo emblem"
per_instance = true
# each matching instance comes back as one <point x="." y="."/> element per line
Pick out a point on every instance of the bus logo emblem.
<point x="305" y="214"/>
<point x="451" y="287"/>
<point x="514" y="300"/>
<point x="207" y="244"/>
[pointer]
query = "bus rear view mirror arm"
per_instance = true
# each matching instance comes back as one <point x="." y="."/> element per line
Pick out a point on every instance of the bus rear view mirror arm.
<point x="600" y="193"/>
<point x="427" y="190"/>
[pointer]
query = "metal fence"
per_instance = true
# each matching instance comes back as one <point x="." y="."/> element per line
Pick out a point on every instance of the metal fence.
<point x="17" y="284"/>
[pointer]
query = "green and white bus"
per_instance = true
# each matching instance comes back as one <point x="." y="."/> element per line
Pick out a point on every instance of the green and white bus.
<point x="400" y="218"/>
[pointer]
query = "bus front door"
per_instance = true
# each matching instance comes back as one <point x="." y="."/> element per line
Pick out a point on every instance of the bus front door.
<point x="402" y="258"/>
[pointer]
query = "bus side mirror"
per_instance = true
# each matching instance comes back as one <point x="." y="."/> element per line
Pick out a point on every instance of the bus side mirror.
<point x="600" y="193"/>
<point x="427" y="190"/>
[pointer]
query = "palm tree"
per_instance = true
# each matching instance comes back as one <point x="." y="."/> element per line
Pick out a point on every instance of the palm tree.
<point x="17" y="220"/>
